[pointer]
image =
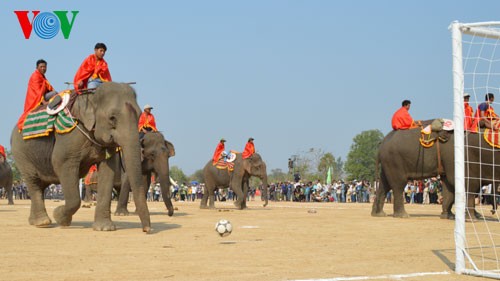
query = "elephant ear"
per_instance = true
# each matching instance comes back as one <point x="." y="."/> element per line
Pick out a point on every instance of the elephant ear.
<point x="85" y="111"/>
<point x="171" y="148"/>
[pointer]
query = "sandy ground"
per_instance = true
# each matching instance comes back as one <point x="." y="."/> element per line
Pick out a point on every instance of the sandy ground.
<point x="280" y="242"/>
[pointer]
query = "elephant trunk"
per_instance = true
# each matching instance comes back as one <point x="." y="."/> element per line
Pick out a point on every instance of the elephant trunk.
<point x="164" y="177"/>
<point x="264" y="189"/>
<point x="132" y="159"/>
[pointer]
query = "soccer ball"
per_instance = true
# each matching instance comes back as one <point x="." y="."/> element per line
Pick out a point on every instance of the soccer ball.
<point x="223" y="228"/>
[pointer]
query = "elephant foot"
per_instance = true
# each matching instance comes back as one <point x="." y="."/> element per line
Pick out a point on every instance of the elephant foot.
<point x="401" y="215"/>
<point x="239" y="206"/>
<point x="61" y="218"/>
<point x="104" y="225"/>
<point x="147" y="229"/>
<point x="379" y="214"/>
<point x="11" y="203"/>
<point x="43" y="221"/>
<point x="122" y="212"/>
<point x="477" y="215"/>
<point x="203" y="207"/>
<point x="447" y="216"/>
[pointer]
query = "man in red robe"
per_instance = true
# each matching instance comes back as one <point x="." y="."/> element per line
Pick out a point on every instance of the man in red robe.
<point x="93" y="71"/>
<point x="401" y="120"/>
<point x="218" y="151"/>
<point x="249" y="149"/>
<point x="2" y="152"/>
<point x="147" y="121"/>
<point x="39" y="90"/>
<point x="468" y="112"/>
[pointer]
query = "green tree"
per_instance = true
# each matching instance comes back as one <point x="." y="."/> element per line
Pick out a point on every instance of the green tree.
<point x="277" y="175"/>
<point x="16" y="175"/>
<point x="198" y="176"/>
<point x="360" y="162"/>
<point x="178" y="175"/>
<point x="328" y="160"/>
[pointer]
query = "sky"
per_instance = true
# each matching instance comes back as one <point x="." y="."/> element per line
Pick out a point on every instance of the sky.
<point x="293" y="75"/>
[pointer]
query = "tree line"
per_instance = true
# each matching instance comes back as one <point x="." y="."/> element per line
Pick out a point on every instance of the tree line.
<point x="311" y="165"/>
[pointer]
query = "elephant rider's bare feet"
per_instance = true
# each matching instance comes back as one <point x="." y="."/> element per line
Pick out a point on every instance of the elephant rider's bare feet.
<point x="122" y="212"/>
<point x="104" y="225"/>
<point x="379" y="214"/>
<point x="43" y="221"/>
<point x="60" y="218"/>
<point x="401" y="215"/>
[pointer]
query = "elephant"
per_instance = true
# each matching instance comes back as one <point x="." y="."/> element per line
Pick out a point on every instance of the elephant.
<point x="237" y="179"/>
<point x="402" y="157"/>
<point x="6" y="179"/>
<point x="156" y="154"/>
<point x="106" y="119"/>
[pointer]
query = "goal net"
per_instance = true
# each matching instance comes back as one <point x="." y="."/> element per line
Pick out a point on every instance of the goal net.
<point x="476" y="72"/>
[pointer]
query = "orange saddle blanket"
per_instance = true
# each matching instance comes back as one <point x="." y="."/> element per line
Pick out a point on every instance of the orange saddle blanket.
<point x="492" y="137"/>
<point x="223" y="164"/>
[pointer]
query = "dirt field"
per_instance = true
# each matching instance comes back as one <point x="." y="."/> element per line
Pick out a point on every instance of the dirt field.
<point x="280" y="242"/>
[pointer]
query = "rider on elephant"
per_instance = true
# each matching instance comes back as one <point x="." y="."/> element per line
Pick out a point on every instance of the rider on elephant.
<point x="218" y="151"/>
<point x="147" y="121"/>
<point x="2" y="153"/>
<point x="401" y="120"/>
<point x="468" y="112"/>
<point x="93" y="71"/>
<point x="39" y="90"/>
<point x="249" y="149"/>
<point x="485" y="115"/>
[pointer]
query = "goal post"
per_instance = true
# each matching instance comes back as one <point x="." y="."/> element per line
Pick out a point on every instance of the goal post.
<point x="476" y="71"/>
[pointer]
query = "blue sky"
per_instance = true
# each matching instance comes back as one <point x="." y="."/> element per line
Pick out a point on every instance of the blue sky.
<point x="293" y="75"/>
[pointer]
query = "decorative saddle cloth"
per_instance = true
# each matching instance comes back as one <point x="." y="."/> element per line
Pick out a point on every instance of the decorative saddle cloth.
<point x="42" y="120"/>
<point x="227" y="162"/>
<point x="492" y="137"/>
<point x="439" y="126"/>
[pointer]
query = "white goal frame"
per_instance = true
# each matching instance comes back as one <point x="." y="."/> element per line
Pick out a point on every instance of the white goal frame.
<point x="480" y="29"/>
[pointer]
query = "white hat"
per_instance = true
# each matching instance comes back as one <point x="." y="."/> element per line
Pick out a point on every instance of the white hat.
<point x="147" y="106"/>
<point x="466" y="95"/>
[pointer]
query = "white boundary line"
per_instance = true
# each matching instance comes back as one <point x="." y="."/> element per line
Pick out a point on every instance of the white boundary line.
<point x="391" y="276"/>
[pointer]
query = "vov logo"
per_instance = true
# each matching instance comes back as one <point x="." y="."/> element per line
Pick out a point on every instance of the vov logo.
<point x="46" y="25"/>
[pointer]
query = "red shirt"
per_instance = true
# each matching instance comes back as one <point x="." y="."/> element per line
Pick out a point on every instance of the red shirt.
<point x="218" y="151"/>
<point x="38" y="86"/>
<point x="401" y="120"/>
<point x="468" y="112"/>
<point x="91" y="67"/>
<point x="2" y="151"/>
<point x="147" y="121"/>
<point x="249" y="150"/>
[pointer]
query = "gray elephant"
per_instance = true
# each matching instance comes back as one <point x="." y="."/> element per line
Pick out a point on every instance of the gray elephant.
<point x="156" y="152"/>
<point x="237" y="179"/>
<point x="402" y="157"/>
<point x="107" y="119"/>
<point x="6" y="178"/>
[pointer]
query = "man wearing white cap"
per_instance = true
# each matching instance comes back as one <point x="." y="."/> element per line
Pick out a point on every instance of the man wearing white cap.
<point x="147" y="121"/>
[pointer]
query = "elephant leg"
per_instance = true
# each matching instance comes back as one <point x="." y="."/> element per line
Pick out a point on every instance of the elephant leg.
<point x="211" y="198"/>
<point x="245" y="194"/>
<point x="448" y="200"/>
<point x="398" y="190"/>
<point x="8" y="188"/>
<point x="381" y="194"/>
<point x="102" y="216"/>
<point x="204" y="199"/>
<point x="38" y="214"/>
<point x="88" y="194"/>
<point x="121" y="207"/>
<point x="69" y="182"/>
